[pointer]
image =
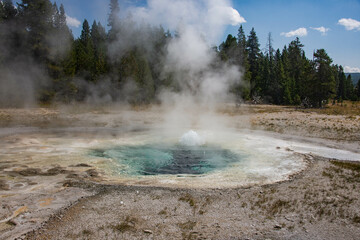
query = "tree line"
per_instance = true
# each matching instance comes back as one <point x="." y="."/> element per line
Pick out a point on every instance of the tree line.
<point x="126" y="62"/>
<point x="286" y="76"/>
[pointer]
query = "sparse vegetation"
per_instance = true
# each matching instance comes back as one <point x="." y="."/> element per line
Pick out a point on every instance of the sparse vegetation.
<point x="127" y="225"/>
<point x="87" y="232"/>
<point x="347" y="165"/>
<point x="189" y="199"/>
<point x="186" y="226"/>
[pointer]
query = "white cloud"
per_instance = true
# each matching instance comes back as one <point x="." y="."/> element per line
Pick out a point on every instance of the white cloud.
<point x="72" y="22"/>
<point x="350" y="24"/>
<point x="227" y="15"/>
<point x="321" y="29"/>
<point x="348" y="69"/>
<point x="300" y="32"/>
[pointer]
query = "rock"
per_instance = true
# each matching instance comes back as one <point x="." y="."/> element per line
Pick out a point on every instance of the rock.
<point x="30" y="172"/>
<point x="148" y="231"/>
<point x="82" y="165"/>
<point x="92" y="173"/>
<point x="72" y="175"/>
<point x="55" y="171"/>
<point x="277" y="227"/>
<point x="12" y="222"/>
<point x="4" y="186"/>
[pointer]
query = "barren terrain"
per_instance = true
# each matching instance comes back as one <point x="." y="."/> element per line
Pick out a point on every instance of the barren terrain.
<point x="70" y="201"/>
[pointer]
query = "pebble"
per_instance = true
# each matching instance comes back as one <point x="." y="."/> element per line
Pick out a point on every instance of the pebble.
<point x="277" y="227"/>
<point x="148" y="231"/>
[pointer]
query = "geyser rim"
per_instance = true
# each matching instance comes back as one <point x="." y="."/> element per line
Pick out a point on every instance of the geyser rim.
<point x="163" y="185"/>
<point x="191" y="181"/>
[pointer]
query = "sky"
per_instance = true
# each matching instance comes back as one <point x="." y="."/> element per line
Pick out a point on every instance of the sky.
<point x="330" y="24"/>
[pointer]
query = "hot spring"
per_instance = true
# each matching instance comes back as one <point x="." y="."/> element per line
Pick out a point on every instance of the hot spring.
<point x="190" y="156"/>
<point x="196" y="158"/>
<point x="152" y="155"/>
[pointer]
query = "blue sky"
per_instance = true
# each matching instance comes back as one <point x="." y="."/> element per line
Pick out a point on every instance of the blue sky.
<point x="280" y="17"/>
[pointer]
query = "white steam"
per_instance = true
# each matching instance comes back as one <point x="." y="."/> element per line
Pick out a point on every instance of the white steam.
<point x="208" y="17"/>
<point x="191" y="138"/>
<point x="202" y="80"/>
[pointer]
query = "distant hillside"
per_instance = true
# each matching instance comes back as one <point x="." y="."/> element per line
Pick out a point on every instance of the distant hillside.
<point x="354" y="76"/>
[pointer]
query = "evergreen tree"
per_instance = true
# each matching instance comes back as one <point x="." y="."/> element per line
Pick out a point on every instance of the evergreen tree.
<point x="287" y="93"/>
<point x="38" y="16"/>
<point x="341" y="91"/>
<point x="324" y="82"/>
<point x="242" y="45"/>
<point x="113" y="20"/>
<point x="8" y="30"/>
<point x="253" y="50"/>
<point x="85" y="53"/>
<point x="229" y="50"/>
<point x="98" y="36"/>
<point x="349" y="88"/>
<point x="7" y="10"/>
<point x="278" y="82"/>
<point x="296" y="59"/>
<point x="268" y="77"/>
<point x="244" y="88"/>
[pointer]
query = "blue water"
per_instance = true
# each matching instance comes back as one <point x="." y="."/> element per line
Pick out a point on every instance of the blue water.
<point x="162" y="159"/>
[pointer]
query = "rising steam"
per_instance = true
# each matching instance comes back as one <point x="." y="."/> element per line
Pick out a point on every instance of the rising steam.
<point x="204" y="81"/>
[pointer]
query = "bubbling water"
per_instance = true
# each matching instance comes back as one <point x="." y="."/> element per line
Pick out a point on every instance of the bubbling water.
<point x="191" y="138"/>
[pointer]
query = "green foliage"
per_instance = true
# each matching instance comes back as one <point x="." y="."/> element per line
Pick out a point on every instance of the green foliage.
<point x="324" y="81"/>
<point x="36" y="31"/>
<point x="253" y="50"/>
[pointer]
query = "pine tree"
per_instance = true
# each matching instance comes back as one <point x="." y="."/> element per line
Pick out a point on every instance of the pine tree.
<point x="277" y="85"/>
<point x="349" y="88"/>
<point x="244" y="63"/>
<point x="253" y="50"/>
<point x="229" y="50"/>
<point x="268" y="81"/>
<point x="85" y="53"/>
<point x="324" y="81"/>
<point x="7" y="10"/>
<point x="98" y="36"/>
<point x="113" y="20"/>
<point x="38" y="16"/>
<point x="8" y="31"/>
<point x="341" y="92"/>
<point x="296" y="61"/>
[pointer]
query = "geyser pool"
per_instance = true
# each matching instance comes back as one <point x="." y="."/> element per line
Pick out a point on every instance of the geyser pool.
<point x="160" y="156"/>
<point x="168" y="159"/>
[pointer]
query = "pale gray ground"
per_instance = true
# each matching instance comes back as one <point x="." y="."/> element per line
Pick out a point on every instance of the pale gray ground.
<point x="320" y="203"/>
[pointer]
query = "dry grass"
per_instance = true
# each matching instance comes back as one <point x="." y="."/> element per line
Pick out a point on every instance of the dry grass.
<point x="345" y="108"/>
<point x="347" y="165"/>
<point x="189" y="199"/>
<point x="127" y="225"/>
